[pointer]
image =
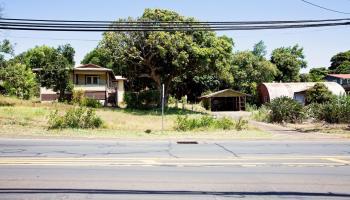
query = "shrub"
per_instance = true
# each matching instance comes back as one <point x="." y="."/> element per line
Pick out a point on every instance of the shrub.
<point x="78" y="96"/>
<point x="142" y="100"/>
<point x="285" y="109"/>
<point x="92" y="103"/>
<point x="184" y="123"/>
<point x="337" y="110"/>
<point x="80" y="99"/>
<point x="262" y="114"/>
<point x="319" y="93"/>
<point x="79" y="117"/>
<point x="241" y="124"/>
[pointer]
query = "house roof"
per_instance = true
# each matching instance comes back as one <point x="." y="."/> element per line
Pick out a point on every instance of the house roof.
<point x="225" y="93"/>
<point x="342" y="76"/>
<point x="90" y="67"/>
<point x="288" y="89"/>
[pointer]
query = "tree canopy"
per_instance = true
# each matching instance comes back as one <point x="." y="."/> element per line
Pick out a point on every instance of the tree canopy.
<point x="54" y="64"/>
<point x="163" y="56"/>
<point x="340" y="63"/>
<point x="250" y="70"/>
<point x="289" y="61"/>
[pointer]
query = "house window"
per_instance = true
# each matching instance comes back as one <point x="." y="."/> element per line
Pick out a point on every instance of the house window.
<point x="92" y="80"/>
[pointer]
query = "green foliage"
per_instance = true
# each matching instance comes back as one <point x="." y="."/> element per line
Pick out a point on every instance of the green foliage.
<point x="285" y="109"/>
<point x="5" y="49"/>
<point x="289" y="61"/>
<point x="185" y="123"/>
<point x="18" y="81"/>
<point x="92" y="103"/>
<point x="337" y="110"/>
<point x="79" y="117"/>
<point x="318" y="74"/>
<point x="305" y="77"/>
<point x="80" y="99"/>
<point x="241" y="124"/>
<point x="259" y="49"/>
<point x="161" y="57"/>
<point x="261" y="114"/>
<point x="340" y="63"/>
<point x="250" y="70"/>
<point x="319" y="93"/>
<point x="142" y="100"/>
<point x="55" y="66"/>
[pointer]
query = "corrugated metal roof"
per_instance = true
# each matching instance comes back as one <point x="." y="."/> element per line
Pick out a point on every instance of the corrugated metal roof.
<point x="224" y="93"/>
<point x="288" y="89"/>
<point x="342" y="76"/>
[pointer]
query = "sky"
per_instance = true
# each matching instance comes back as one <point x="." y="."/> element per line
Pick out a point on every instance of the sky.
<point x="319" y="44"/>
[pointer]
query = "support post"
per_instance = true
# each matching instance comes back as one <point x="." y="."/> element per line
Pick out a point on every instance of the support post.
<point x="162" y="108"/>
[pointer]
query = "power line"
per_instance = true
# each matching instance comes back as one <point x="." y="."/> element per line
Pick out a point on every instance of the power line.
<point x="7" y="24"/>
<point x="107" y="23"/>
<point x="322" y="7"/>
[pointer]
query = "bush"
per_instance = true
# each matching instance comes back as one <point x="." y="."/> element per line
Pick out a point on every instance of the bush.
<point x="285" y="109"/>
<point x="142" y="100"/>
<point x="184" y="123"/>
<point x="337" y="110"/>
<point x="92" y="103"/>
<point x="80" y="99"/>
<point x="262" y="114"/>
<point x="241" y="124"/>
<point x="319" y="93"/>
<point x="79" y="117"/>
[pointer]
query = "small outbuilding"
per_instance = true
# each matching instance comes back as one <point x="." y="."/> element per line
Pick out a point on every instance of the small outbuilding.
<point x="225" y="100"/>
<point x="269" y="91"/>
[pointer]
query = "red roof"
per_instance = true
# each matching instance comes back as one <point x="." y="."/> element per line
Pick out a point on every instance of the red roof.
<point x="342" y="76"/>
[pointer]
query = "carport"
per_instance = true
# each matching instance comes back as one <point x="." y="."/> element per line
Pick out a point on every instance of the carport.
<point x="225" y="100"/>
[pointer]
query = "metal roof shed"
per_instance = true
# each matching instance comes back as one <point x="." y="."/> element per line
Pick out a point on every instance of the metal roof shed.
<point x="226" y="100"/>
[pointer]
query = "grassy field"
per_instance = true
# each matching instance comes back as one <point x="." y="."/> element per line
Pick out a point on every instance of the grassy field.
<point x="29" y="118"/>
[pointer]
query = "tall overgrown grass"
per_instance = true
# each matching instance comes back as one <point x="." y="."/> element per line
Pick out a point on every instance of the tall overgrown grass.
<point x="186" y="123"/>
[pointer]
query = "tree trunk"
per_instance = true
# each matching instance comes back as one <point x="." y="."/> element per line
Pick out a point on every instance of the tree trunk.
<point x="61" y="96"/>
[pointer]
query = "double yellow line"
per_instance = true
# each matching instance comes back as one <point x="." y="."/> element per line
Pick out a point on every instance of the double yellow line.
<point x="149" y="161"/>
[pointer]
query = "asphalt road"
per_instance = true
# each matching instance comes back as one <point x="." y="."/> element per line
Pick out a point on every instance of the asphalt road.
<point x="105" y="169"/>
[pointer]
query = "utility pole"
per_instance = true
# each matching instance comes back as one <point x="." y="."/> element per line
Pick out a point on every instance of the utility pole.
<point x="162" y="108"/>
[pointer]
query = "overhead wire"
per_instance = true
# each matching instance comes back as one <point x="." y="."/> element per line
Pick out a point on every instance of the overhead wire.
<point x="92" y="26"/>
<point x="325" y="8"/>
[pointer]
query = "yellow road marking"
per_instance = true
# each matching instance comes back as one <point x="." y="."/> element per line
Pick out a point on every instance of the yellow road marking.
<point x="338" y="160"/>
<point x="148" y="161"/>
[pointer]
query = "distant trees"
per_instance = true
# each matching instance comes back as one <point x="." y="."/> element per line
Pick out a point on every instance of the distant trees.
<point x="340" y="63"/>
<point x="5" y="48"/>
<point x="289" y="61"/>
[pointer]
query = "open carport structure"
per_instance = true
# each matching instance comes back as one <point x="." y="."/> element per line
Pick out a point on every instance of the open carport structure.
<point x="226" y="100"/>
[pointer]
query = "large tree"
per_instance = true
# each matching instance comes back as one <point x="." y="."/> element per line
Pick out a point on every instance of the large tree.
<point x="289" y="61"/>
<point x="55" y="65"/>
<point x="164" y="56"/>
<point x="250" y="70"/>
